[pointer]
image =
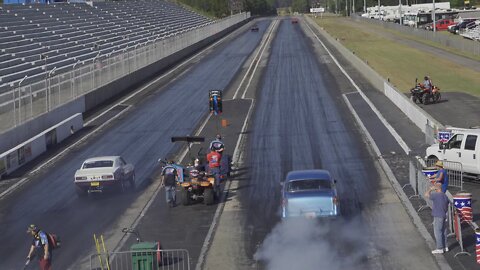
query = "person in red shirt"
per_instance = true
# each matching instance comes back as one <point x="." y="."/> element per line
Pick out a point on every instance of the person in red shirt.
<point x="214" y="159"/>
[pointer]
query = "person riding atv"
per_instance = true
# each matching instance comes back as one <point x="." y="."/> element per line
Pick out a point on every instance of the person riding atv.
<point x="199" y="186"/>
<point x="425" y="92"/>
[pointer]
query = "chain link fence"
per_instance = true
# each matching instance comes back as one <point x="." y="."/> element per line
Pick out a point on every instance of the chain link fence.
<point x="24" y="102"/>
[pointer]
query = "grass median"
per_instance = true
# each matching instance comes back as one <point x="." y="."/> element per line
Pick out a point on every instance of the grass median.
<point x="399" y="62"/>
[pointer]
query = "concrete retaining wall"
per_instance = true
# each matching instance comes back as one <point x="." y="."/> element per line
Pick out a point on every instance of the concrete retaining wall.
<point x="19" y="134"/>
<point x="424" y="121"/>
<point x="23" y="153"/>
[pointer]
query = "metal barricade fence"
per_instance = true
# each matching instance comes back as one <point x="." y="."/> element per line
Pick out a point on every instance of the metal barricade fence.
<point x="163" y="259"/>
<point x="421" y="184"/>
<point x="454" y="225"/>
<point x="412" y="177"/>
<point x="419" y="180"/>
<point x="26" y="101"/>
<point x="454" y="170"/>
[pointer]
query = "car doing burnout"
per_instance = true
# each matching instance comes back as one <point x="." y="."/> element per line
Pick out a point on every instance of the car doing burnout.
<point x="99" y="173"/>
<point x="310" y="194"/>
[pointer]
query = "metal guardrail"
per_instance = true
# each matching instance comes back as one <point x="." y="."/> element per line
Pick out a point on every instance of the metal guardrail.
<point x="162" y="259"/>
<point x="25" y="102"/>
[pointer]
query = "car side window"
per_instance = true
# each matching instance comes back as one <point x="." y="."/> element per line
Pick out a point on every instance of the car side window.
<point x="455" y="142"/>
<point x="470" y="142"/>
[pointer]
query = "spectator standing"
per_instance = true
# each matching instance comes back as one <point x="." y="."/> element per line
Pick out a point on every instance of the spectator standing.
<point x="439" y="212"/>
<point x="441" y="176"/>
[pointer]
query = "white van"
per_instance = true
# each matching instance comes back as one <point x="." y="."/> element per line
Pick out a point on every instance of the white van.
<point x="463" y="146"/>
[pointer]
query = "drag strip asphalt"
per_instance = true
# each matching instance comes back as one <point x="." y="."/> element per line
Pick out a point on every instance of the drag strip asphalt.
<point x="141" y="136"/>
<point x="301" y="122"/>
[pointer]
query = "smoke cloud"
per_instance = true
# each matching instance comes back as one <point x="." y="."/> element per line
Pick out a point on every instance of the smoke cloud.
<point x="314" y="244"/>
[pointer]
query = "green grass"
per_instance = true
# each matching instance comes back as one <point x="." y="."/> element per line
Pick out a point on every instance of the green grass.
<point x="401" y="63"/>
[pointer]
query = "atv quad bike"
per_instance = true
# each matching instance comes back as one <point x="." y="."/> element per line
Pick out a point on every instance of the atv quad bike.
<point x="198" y="186"/>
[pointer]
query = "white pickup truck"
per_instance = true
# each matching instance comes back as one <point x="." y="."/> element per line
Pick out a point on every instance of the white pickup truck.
<point x="463" y="146"/>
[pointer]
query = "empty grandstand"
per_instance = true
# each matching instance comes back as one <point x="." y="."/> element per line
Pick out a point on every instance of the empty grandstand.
<point x="52" y="54"/>
<point x="35" y="38"/>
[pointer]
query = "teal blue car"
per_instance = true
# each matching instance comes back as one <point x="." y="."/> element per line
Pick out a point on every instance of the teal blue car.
<point x="309" y="194"/>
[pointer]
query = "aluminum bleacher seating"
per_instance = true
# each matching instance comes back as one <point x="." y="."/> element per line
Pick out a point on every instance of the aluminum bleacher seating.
<point x="35" y="38"/>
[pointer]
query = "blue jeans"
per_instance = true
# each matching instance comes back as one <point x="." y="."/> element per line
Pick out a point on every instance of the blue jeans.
<point x="440" y="232"/>
<point x="170" y="193"/>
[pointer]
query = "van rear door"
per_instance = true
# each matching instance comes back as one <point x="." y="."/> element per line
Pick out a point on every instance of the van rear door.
<point x="470" y="154"/>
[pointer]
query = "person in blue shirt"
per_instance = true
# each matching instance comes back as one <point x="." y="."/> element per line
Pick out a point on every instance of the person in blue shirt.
<point x="41" y="247"/>
<point x="439" y="213"/>
<point x="441" y="176"/>
<point x="170" y="178"/>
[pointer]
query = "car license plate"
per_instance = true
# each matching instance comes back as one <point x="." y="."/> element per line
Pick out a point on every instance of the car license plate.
<point x="310" y="215"/>
<point x="95" y="184"/>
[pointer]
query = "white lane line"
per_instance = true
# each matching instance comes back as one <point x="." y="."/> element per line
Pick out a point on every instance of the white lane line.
<point x="185" y="152"/>
<point x="269" y="38"/>
<point x="235" y="159"/>
<point x="392" y="131"/>
<point x="124" y="239"/>
<point x="396" y="186"/>
<point x="23" y="180"/>
<point x="249" y="68"/>
<point x="349" y="93"/>
<point x="39" y="167"/>
<point x="218" y="211"/>
<point x="156" y="80"/>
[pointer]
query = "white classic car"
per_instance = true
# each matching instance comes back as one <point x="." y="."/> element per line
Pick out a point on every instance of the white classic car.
<point x="99" y="173"/>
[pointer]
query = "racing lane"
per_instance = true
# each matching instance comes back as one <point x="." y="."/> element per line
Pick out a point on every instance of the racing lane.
<point x="301" y="122"/>
<point x="140" y="136"/>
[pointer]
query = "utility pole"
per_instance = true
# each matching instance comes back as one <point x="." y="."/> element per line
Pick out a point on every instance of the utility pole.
<point x="434" y="19"/>
<point x="400" y="11"/>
